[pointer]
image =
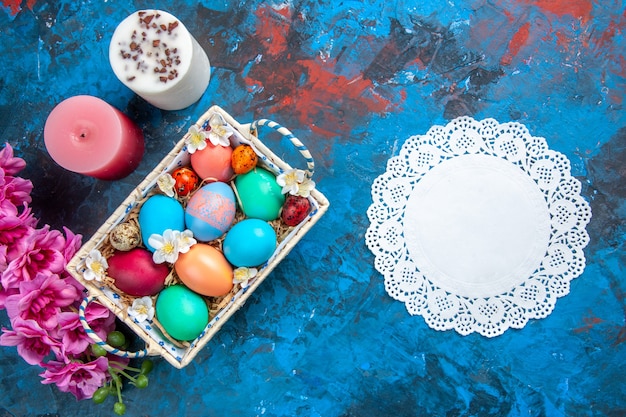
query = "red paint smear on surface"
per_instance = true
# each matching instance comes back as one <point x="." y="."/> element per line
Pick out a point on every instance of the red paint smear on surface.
<point x="579" y="9"/>
<point x="621" y="336"/>
<point x="622" y="64"/>
<point x="273" y="28"/>
<point x="309" y="89"/>
<point x="590" y="321"/>
<point x="327" y="93"/>
<point x="606" y="39"/>
<point x="320" y="98"/>
<point x="563" y="40"/>
<point x="15" y="6"/>
<point x="510" y="17"/>
<point x="518" y="40"/>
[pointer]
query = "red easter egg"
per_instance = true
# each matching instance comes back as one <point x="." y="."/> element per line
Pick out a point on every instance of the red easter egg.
<point x="295" y="209"/>
<point x="135" y="273"/>
<point x="186" y="180"/>
<point x="213" y="162"/>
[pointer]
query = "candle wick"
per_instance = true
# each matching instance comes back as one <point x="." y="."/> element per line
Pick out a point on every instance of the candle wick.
<point x="81" y="135"/>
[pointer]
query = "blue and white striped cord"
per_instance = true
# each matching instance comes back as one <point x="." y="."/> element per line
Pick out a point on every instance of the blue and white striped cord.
<point x="294" y="140"/>
<point x="99" y="341"/>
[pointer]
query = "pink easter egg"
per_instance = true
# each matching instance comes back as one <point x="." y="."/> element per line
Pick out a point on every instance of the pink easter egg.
<point x="213" y="162"/>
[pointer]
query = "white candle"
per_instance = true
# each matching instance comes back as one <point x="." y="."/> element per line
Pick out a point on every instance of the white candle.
<point x="153" y="54"/>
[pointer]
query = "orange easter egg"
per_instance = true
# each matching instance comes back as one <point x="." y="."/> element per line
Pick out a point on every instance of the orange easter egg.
<point x="205" y="270"/>
<point x="243" y="159"/>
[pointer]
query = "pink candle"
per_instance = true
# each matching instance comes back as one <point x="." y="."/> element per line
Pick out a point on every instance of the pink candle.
<point x="84" y="134"/>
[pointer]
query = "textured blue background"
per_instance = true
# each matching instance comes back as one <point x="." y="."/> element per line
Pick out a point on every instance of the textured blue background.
<point x="353" y="81"/>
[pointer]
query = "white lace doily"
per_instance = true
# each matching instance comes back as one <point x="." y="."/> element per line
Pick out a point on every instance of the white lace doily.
<point x="478" y="226"/>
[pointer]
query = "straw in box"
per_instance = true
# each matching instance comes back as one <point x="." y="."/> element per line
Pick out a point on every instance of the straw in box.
<point x="157" y="342"/>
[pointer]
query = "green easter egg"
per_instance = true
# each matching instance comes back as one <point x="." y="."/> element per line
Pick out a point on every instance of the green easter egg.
<point x="260" y="196"/>
<point x="182" y="313"/>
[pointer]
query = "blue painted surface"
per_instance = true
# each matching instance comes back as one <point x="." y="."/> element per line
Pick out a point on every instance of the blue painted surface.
<point x="321" y="337"/>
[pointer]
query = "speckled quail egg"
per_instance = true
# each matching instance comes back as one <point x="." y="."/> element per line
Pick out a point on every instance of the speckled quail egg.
<point x="125" y="236"/>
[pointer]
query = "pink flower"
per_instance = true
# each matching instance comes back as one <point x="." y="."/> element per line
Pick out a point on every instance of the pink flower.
<point x="100" y="319"/>
<point x="72" y="333"/>
<point x="8" y="163"/>
<point x="72" y="244"/>
<point x="43" y="253"/>
<point x="14" y="190"/>
<point x="3" y="257"/>
<point x="7" y="207"/>
<point x="81" y="379"/>
<point x="14" y="230"/>
<point x="33" y="343"/>
<point x="4" y="294"/>
<point x="41" y="300"/>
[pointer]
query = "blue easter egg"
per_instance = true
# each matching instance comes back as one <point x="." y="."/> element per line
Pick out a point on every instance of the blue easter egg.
<point x="159" y="213"/>
<point x="251" y="242"/>
<point x="210" y="211"/>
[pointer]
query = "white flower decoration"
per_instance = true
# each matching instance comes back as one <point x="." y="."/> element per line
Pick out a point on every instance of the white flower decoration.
<point x="166" y="184"/>
<point x="305" y="188"/>
<point x="166" y="246"/>
<point x="243" y="275"/>
<point x="196" y="139"/>
<point x="220" y="132"/>
<point x="96" y="266"/>
<point x="295" y="182"/>
<point x="142" y="309"/>
<point x="185" y="241"/>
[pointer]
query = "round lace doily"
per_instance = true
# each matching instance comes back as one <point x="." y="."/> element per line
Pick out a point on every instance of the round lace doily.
<point x="478" y="226"/>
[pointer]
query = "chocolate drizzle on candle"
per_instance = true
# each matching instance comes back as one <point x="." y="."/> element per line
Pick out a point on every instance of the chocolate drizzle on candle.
<point x="148" y="47"/>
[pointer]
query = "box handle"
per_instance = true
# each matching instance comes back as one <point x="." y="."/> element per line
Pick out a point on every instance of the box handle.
<point x="99" y="341"/>
<point x="294" y="140"/>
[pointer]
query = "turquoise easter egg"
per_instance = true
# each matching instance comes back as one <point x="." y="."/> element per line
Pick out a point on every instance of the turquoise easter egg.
<point x="159" y="213"/>
<point x="182" y="313"/>
<point x="210" y="211"/>
<point x="251" y="242"/>
<point x="260" y="196"/>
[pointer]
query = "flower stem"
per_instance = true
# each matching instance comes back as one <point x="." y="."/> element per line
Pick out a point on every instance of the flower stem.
<point x="120" y="365"/>
<point x="119" y="393"/>
<point x="130" y="377"/>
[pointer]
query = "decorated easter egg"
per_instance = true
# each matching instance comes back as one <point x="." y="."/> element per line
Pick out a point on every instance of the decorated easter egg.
<point x="186" y="180"/>
<point x="251" y="242"/>
<point x="205" y="270"/>
<point x="213" y="162"/>
<point x="259" y="194"/>
<point x="125" y="236"/>
<point x="182" y="313"/>
<point x="159" y="213"/>
<point x="210" y="211"/>
<point x="243" y="159"/>
<point x="295" y="209"/>
<point x="135" y="273"/>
